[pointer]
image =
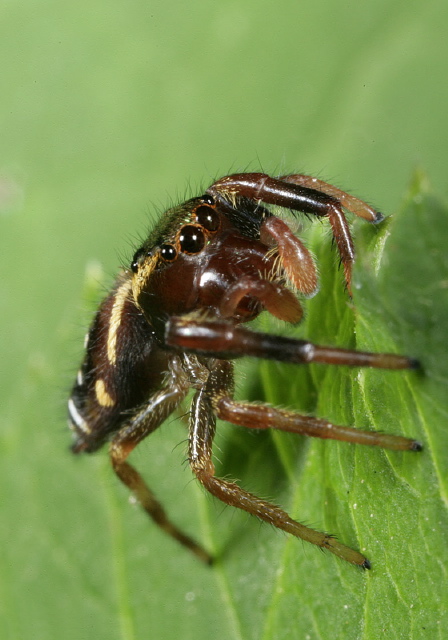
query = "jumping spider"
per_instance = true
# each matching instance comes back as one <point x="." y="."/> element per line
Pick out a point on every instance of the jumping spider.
<point x="175" y="321"/>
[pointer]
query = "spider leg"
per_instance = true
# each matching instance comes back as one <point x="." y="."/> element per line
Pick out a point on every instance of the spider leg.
<point x="349" y="202"/>
<point x="293" y="192"/>
<point x="262" y="416"/>
<point x="226" y="340"/>
<point x="147" y="420"/>
<point x="202" y="430"/>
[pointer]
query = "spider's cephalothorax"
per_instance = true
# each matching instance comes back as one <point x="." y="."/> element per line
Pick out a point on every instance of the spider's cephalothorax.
<point x="173" y="322"/>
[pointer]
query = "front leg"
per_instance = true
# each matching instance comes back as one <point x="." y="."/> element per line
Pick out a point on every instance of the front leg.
<point x="202" y="430"/>
<point x="301" y="193"/>
<point x="348" y="201"/>
<point x="226" y="340"/>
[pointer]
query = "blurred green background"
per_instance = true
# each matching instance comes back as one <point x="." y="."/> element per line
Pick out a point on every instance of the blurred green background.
<point x="109" y="112"/>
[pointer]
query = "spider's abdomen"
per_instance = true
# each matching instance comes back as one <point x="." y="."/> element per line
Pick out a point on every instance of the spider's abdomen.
<point x="121" y="368"/>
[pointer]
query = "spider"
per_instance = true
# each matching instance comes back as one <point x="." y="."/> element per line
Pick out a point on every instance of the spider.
<point x="174" y="321"/>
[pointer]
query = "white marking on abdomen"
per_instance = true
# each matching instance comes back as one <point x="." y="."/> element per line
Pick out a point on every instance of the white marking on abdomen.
<point x="76" y="417"/>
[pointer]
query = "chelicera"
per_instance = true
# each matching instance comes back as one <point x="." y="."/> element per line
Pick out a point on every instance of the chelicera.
<point x="175" y="321"/>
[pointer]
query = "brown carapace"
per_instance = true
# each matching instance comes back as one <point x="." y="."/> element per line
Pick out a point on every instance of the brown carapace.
<point x="175" y="321"/>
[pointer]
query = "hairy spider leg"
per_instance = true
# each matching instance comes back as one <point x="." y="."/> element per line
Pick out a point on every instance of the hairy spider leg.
<point x="224" y="340"/>
<point x="147" y="420"/>
<point x="289" y="193"/>
<point x="202" y="431"/>
<point x="263" y="416"/>
<point x="349" y="202"/>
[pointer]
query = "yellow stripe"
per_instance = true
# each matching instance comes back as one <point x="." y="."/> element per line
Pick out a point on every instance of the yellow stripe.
<point x="115" y="320"/>
<point x="142" y="277"/>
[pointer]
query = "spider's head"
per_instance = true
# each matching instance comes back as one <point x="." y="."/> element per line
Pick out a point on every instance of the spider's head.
<point x="199" y="252"/>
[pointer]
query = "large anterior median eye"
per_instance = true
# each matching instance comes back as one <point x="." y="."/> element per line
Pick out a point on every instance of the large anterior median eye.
<point x="191" y="239"/>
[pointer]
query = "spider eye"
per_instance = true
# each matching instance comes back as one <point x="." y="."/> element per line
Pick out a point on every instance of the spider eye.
<point x="136" y="259"/>
<point x="206" y="199"/>
<point x="168" y="252"/>
<point x="191" y="239"/>
<point x="207" y="218"/>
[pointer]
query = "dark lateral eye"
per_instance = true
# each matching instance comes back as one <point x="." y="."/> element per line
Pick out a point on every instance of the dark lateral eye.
<point x="136" y="259"/>
<point x="207" y="218"/>
<point x="206" y="199"/>
<point x="191" y="239"/>
<point x="168" y="252"/>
